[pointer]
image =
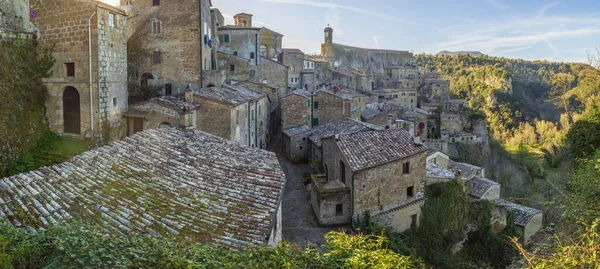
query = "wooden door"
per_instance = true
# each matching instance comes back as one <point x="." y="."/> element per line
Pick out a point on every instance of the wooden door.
<point x="71" y="111"/>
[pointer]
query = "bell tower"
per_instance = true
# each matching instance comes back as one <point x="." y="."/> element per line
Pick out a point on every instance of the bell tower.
<point x="328" y="35"/>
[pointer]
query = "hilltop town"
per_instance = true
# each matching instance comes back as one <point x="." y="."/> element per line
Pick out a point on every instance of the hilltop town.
<point x="216" y="133"/>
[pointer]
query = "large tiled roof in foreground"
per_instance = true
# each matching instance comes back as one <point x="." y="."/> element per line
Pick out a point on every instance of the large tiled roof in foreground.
<point x="162" y="182"/>
<point x="369" y="149"/>
<point x="345" y="126"/>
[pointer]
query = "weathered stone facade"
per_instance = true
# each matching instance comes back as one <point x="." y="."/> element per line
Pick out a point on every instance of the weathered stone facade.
<point x="65" y="24"/>
<point x="330" y="201"/>
<point x="382" y="185"/>
<point x="327" y="107"/>
<point x="168" y="43"/>
<point x="295" y="110"/>
<point x="296" y="146"/>
<point x="241" y="41"/>
<point x="236" y="68"/>
<point x="451" y="122"/>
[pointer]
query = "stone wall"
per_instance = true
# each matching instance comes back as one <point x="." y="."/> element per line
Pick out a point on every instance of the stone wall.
<point x="112" y="73"/>
<point x="64" y="24"/>
<point x="277" y="230"/>
<point x="385" y="185"/>
<point x="238" y="123"/>
<point x="297" y="148"/>
<point x="364" y="59"/>
<point x="400" y="220"/>
<point x="242" y="40"/>
<point x="324" y="202"/>
<point x="294" y="111"/>
<point x="273" y="41"/>
<point x="158" y="114"/>
<point x="274" y="73"/>
<point x="331" y="108"/>
<point x="241" y="67"/>
<point x="179" y="42"/>
<point x="215" y="118"/>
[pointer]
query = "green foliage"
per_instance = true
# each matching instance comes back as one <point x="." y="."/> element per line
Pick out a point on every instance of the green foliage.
<point x="443" y="219"/>
<point x="395" y="240"/>
<point x="88" y="247"/>
<point x="580" y="251"/>
<point x="22" y="96"/>
<point x="583" y="139"/>
<point x="582" y="203"/>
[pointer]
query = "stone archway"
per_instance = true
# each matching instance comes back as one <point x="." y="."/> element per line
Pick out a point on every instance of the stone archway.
<point x="145" y="79"/>
<point x="164" y="125"/>
<point x="71" y="111"/>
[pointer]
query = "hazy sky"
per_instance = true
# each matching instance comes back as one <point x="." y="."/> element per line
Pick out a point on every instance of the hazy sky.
<point x="528" y="29"/>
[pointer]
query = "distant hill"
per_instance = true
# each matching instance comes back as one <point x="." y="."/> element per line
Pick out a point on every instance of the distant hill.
<point x="454" y="53"/>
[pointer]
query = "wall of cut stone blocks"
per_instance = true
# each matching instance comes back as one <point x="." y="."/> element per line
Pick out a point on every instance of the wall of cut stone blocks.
<point x="294" y="111"/>
<point x="274" y="73"/>
<point x="400" y="220"/>
<point x="242" y="41"/>
<point x="331" y="107"/>
<point x="214" y="117"/>
<point x="324" y="205"/>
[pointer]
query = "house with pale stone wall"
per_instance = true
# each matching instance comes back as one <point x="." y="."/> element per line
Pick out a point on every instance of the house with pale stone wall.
<point x="380" y="172"/>
<point x="87" y="92"/>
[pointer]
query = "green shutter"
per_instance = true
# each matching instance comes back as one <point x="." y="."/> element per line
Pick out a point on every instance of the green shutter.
<point x="307" y="118"/>
<point x="315" y="121"/>
<point x="316" y="105"/>
<point x="308" y="103"/>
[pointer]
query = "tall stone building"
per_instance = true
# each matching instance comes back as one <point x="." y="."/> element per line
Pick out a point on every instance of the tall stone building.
<point x="14" y="19"/>
<point x="88" y="87"/>
<point x="170" y="42"/>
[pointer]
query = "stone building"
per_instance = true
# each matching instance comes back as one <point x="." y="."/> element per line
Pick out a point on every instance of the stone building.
<point x="406" y="97"/>
<point x="327" y="107"/>
<point x="438" y="158"/>
<point x="184" y="184"/>
<point x="373" y="61"/>
<point x="87" y="92"/>
<point x="440" y="89"/>
<point x="233" y="113"/>
<point x="242" y="41"/>
<point x="483" y="188"/>
<point x="345" y="126"/>
<point x="295" y="109"/>
<point x="295" y="144"/>
<point x="382" y="171"/>
<point x="171" y="43"/>
<point x="527" y="221"/>
<point x="161" y="112"/>
<point x="451" y="122"/>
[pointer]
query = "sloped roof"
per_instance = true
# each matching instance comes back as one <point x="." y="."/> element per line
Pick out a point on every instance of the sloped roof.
<point x="296" y="130"/>
<point x="229" y="95"/>
<point x="364" y="150"/>
<point x="523" y="214"/>
<point x="173" y="102"/>
<point x="478" y="186"/>
<point x="345" y="126"/>
<point x="369" y="113"/>
<point x="161" y="182"/>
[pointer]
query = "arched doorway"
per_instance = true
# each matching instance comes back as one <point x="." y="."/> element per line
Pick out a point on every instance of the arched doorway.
<point x="145" y="77"/>
<point x="164" y="124"/>
<point x="210" y="85"/>
<point x="71" y="111"/>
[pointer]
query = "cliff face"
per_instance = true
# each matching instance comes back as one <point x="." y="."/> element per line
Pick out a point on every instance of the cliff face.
<point x="364" y="59"/>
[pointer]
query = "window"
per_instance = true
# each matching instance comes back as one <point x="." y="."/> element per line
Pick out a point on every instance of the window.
<point x="413" y="221"/>
<point x="339" y="209"/>
<point x="114" y="101"/>
<point x="259" y="110"/>
<point x="157" y="57"/>
<point x="227" y="39"/>
<point x="308" y="103"/>
<point x="307" y="118"/>
<point x="252" y="73"/>
<point x="315" y="121"/>
<point x="232" y="68"/>
<point x="155" y="2"/>
<point x="70" y="68"/>
<point x="235" y="53"/>
<point x="156" y="28"/>
<point x="406" y="168"/>
<point x="251" y="55"/>
<point x="168" y="89"/>
<point x="342" y="172"/>
<point x="112" y="21"/>
<point x="237" y="117"/>
<point x="316" y="105"/>
<point x="410" y="192"/>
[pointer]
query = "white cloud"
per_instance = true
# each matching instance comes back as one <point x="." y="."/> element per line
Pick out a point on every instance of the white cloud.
<point x="542" y="11"/>
<point x="511" y="50"/>
<point x="497" y="4"/>
<point x="376" y="41"/>
<point x="353" y="9"/>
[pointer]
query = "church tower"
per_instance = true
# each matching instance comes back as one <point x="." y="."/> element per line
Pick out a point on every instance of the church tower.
<point x="328" y="35"/>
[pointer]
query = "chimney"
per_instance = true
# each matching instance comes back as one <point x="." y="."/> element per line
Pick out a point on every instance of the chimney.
<point x="417" y="140"/>
<point x="336" y="134"/>
<point x="189" y="94"/>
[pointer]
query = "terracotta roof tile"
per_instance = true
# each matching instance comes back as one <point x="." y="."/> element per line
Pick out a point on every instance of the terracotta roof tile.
<point x="161" y="182"/>
<point x="369" y="149"/>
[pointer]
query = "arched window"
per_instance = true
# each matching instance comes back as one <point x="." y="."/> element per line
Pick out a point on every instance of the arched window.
<point x="244" y="23"/>
<point x="144" y="81"/>
<point x="272" y="53"/>
<point x="164" y="124"/>
<point x="71" y="111"/>
<point x="263" y="50"/>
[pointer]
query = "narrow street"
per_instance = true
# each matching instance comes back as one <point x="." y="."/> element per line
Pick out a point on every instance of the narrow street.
<point x="300" y="225"/>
